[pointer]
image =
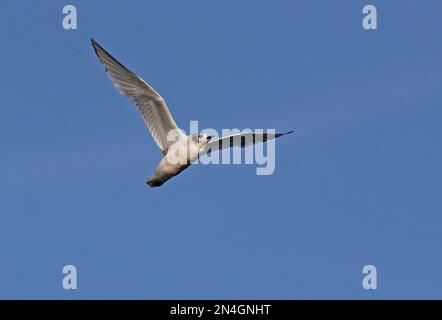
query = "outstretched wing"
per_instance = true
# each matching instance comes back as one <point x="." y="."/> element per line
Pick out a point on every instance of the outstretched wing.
<point x="241" y="140"/>
<point x="149" y="103"/>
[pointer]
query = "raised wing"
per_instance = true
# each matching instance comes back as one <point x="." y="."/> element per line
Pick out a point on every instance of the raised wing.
<point x="149" y="103"/>
<point x="241" y="140"/>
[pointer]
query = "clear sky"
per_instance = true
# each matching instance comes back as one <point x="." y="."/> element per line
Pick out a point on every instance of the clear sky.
<point x="358" y="183"/>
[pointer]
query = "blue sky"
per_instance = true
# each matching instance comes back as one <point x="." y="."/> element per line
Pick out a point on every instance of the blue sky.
<point x="358" y="183"/>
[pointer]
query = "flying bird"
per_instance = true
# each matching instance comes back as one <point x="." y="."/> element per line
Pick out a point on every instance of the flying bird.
<point x="161" y="124"/>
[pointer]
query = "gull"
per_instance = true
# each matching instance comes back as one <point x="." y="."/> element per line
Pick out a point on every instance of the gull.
<point x="162" y="126"/>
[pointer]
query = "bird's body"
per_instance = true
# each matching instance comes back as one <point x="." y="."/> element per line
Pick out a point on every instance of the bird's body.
<point x="164" y="171"/>
<point x="179" y="150"/>
<point x="179" y="156"/>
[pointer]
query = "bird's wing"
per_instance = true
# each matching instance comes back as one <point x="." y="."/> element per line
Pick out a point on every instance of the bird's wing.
<point x="241" y="140"/>
<point x="149" y="103"/>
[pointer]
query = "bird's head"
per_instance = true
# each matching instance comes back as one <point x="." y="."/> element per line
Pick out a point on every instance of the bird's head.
<point x="202" y="139"/>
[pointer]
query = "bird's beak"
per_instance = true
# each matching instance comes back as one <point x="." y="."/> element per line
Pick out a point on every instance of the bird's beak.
<point x="209" y="138"/>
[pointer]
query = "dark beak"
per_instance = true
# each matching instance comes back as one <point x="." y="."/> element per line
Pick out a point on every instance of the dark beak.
<point x="209" y="138"/>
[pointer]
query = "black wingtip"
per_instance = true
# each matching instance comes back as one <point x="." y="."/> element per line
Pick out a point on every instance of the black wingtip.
<point x="94" y="43"/>
<point x="283" y="134"/>
<point x="95" y="46"/>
